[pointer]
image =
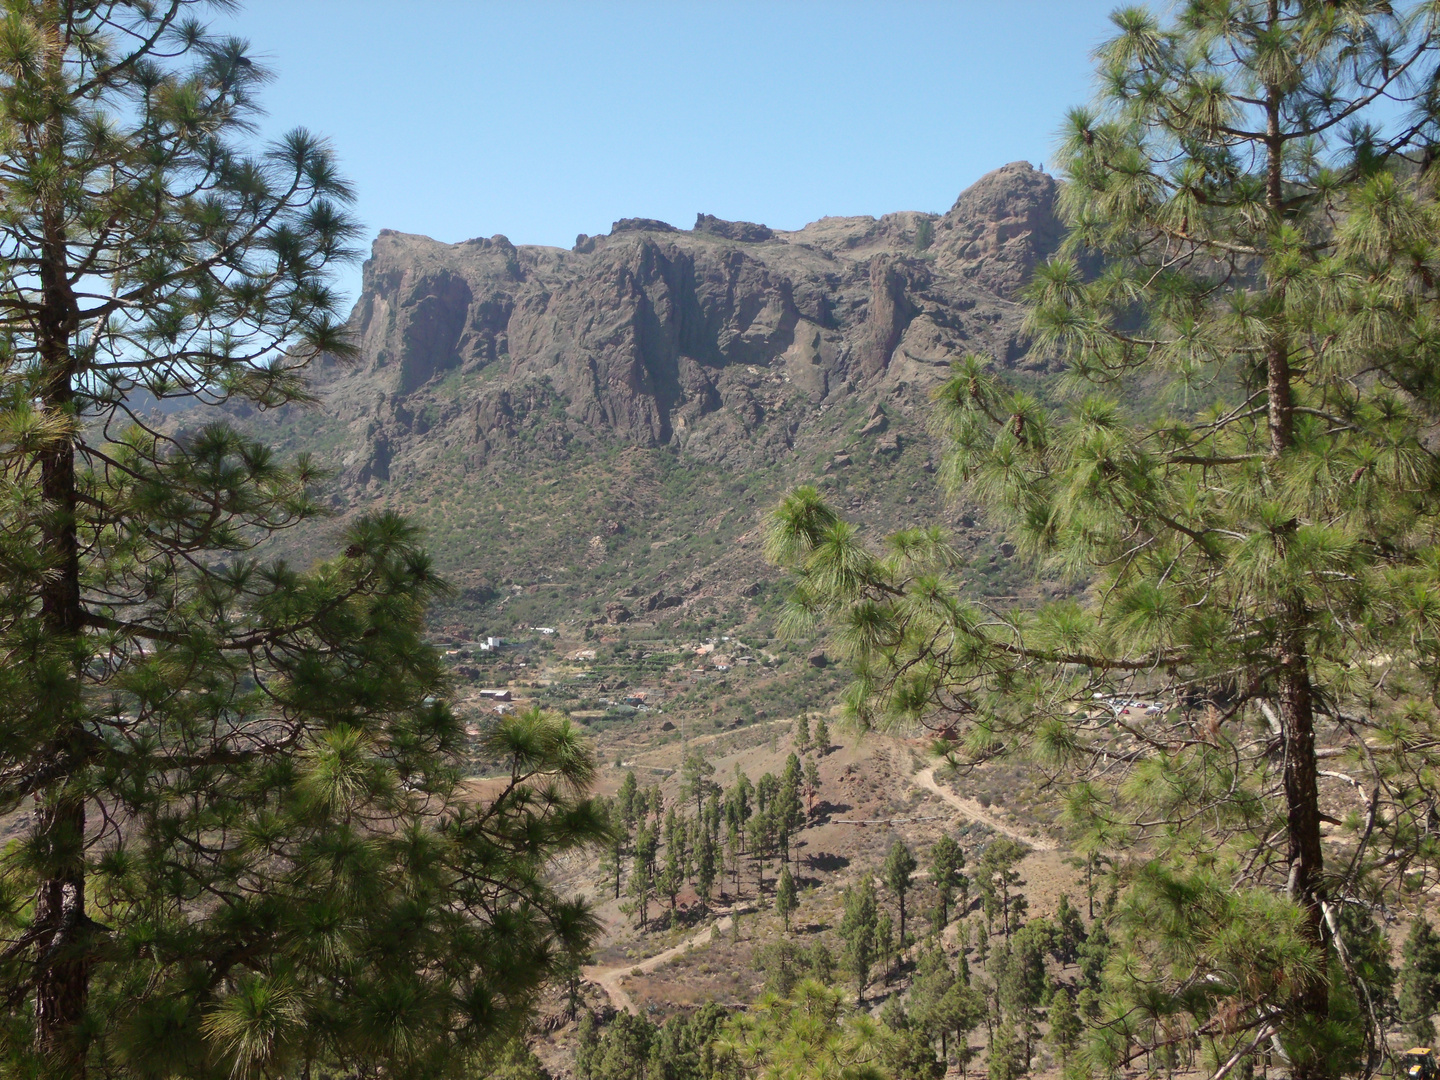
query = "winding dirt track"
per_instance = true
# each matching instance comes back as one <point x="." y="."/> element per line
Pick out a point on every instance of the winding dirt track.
<point x="925" y="778"/>
<point x="608" y="978"/>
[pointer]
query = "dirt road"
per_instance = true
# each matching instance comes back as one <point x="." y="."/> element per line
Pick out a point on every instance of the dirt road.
<point x="608" y="978"/>
<point x="925" y="778"/>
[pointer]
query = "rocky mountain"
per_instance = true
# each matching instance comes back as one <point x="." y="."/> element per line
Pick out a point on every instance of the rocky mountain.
<point x="727" y="354"/>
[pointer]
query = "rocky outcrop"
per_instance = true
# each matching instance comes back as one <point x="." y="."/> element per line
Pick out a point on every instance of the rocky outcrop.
<point x="888" y="315"/>
<point x="746" y="232"/>
<point x="724" y="341"/>
<point x="1000" y="228"/>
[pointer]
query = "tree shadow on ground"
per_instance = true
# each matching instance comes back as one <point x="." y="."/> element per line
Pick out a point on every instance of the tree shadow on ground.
<point x="826" y="861"/>
<point x="821" y="814"/>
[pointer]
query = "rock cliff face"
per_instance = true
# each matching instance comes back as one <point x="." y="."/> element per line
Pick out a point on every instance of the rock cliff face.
<point x="724" y="342"/>
<point x="608" y="423"/>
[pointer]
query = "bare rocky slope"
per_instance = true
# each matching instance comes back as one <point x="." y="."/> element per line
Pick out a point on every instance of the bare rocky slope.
<point x="559" y="415"/>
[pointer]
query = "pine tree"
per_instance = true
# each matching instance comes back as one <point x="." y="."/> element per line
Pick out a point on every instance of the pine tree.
<point x="760" y="841"/>
<point x="1092" y="861"/>
<point x="612" y="862"/>
<point x="1064" y="1021"/>
<point x="587" y="1045"/>
<point x="812" y="784"/>
<point x="640" y="889"/>
<point x="929" y="995"/>
<point x="1252" y="234"/>
<point x="786" y="897"/>
<point x="857" y="930"/>
<point x="732" y="852"/>
<point x="821" y="738"/>
<point x="1023" y="985"/>
<point x="243" y="776"/>
<point x="792" y="776"/>
<point x="766" y="789"/>
<point x="906" y="1053"/>
<point x="808" y="1033"/>
<point x="691" y="840"/>
<point x="706" y="867"/>
<point x="629" y="801"/>
<point x="802" y="733"/>
<point x="672" y="831"/>
<point x="672" y="879"/>
<point x="885" y="945"/>
<point x="783" y="965"/>
<point x="511" y="1060"/>
<point x="998" y="879"/>
<point x="714" y="815"/>
<point x="947" y="865"/>
<point x="1069" y="931"/>
<point x="821" y="962"/>
<point x="695" y="780"/>
<point x="789" y="810"/>
<point x="1420" y="981"/>
<point x="739" y="799"/>
<point x="1005" y="1061"/>
<point x="966" y="1007"/>
<point x="1093" y="954"/>
<point x="623" y="1051"/>
<point x="897" y="873"/>
<point x="647" y="845"/>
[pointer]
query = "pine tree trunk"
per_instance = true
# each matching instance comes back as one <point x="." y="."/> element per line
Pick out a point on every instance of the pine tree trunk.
<point x="1301" y="783"/>
<point x="62" y="945"/>
<point x="1302" y="800"/>
<point x="1297" y="714"/>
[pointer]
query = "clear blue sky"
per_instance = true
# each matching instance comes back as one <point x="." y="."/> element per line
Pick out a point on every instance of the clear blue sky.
<point x="541" y="120"/>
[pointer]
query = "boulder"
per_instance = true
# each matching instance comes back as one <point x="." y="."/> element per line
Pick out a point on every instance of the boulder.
<point x="658" y="601"/>
<point x="887" y="446"/>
